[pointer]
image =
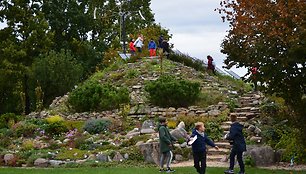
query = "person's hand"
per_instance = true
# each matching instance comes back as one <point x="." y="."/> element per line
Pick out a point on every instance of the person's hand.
<point x="216" y="147"/>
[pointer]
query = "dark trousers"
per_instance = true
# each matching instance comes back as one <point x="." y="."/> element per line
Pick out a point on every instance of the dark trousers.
<point x="200" y="161"/>
<point x="239" y="159"/>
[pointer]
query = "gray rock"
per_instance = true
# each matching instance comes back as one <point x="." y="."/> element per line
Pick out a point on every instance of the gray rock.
<point x="224" y="159"/>
<point x="139" y="143"/>
<point x="150" y="152"/>
<point x="181" y="125"/>
<point x="131" y="135"/>
<point x="179" y="133"/>
<point x="41" y="162"/>
<point x="262" y="155"/>
<point x="179" y="157"/>
<point x="118" y="157"/>
<point x="66" y="140"/>
<point x="184" y="145"/>
<point x="56" y="163"/>
<point x="214" y="112"/>
<point x="148" y="124"/>
<point x="126" y="156"/>
<point x="91" y="157"/>
<point x="102" y="157"/>
<point x="257" y="131"/>
<point x="251" y="128"/>
<point x="256" y="139"/>
<point x="8" y="158"/>
<point x="279" y="155"/>
<point x="147" y="131"/>
<point x="137" y="87"/>
<point x="80" y="161"/>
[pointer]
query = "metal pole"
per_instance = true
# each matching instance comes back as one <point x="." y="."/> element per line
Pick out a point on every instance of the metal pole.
<point x="123" y="33"/>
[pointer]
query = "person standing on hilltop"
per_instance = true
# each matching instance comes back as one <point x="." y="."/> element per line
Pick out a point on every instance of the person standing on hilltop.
<point x="238" y="145"/>
<point x="166" y="48"/>
<point x="160" y="41"/>
<point x="165" y="144"/>
<point x="139" y="43"/>
<point x="152" y="48"/>
<point x="210" y="64"/>
<point x="132" y="47"/>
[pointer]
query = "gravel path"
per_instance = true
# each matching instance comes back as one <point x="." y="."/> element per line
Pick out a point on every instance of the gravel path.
<point x="282" y="166"/>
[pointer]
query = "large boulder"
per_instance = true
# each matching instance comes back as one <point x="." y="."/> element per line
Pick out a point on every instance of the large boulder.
<point x="179" y="133"/>
<point x="9" y="159"/>
<point x="41" y="162"/>
<point x="118" y="157"/>
<point x="102" y="157"/>
<point x="150" y="152"/>
<point x="262" y="155"/>
<point x="56" y="163"/>
<point x="147" y="127"/>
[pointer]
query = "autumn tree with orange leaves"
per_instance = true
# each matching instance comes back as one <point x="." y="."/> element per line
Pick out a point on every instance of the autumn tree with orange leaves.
<point x="271" y="35"/>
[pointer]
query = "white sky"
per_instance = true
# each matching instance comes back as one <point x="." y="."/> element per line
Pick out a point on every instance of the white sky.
<point x="197" y="29"/>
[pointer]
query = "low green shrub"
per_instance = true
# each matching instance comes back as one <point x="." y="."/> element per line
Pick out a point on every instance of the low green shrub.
<point x="134" y="140"/>
<point x="25" y="129"/>
<point x="168" y="91"/>
<point x="8" y="120"/>
<point x="210" y="97"/>
<point x="74" y="125"/>
<point x="188" y="61"/>
<point x="249" y="161"/>
<point x="134" y="153"/>
<point x="72" y="154"/>
<point x="97" y="126"/>
<point x="213" y="130"/>
<point x="55" y="129"/>
<point x="132" y="74"/>
<point x="92" y="96"/>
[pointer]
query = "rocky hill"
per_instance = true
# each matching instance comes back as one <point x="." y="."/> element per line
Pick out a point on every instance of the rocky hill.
<point x="135" y="125"/>
<point x="215" y="89"/>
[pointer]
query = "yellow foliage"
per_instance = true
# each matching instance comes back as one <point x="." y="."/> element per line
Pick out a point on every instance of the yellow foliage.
<point x="54" y="119"/>
<point x="172" y="124"/>
<point x="27" y="145"/>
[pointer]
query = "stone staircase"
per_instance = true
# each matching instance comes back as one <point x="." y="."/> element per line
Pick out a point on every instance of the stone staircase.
<point x="248" y="109"/>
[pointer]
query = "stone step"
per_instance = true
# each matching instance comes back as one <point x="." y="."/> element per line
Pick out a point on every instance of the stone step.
<point x="227" y="123"/>
<point x="242" y="119"/>
<point x="225" y="127"/>
<point x="216" y="158"/>
<point x="225" y="145"/>
<point x="249" y="115"/>
<point x="252" y="95"/>
<point x="247" y="109"/>
<point x="225" y="132"/>
<point x="221" y="151"/>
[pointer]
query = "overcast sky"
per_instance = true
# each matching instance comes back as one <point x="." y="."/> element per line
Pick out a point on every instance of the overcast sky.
<point x="197" y="29"/>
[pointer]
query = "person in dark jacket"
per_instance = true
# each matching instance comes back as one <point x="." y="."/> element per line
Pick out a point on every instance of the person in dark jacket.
<point x="166" y="144"/>
<point x="166" y="48"/>
<point x="238" y="145"/>
<point x="210" y="64"/>
<point x="199" y="147"/>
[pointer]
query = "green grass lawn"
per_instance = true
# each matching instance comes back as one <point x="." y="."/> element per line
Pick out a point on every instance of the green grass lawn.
<point x="186" y="170"/>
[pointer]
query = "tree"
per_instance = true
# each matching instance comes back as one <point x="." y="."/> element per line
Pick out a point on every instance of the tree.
<point x="272" y="36"/>
<point x="26" y="36"/>
<point x="56" y="73"/>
